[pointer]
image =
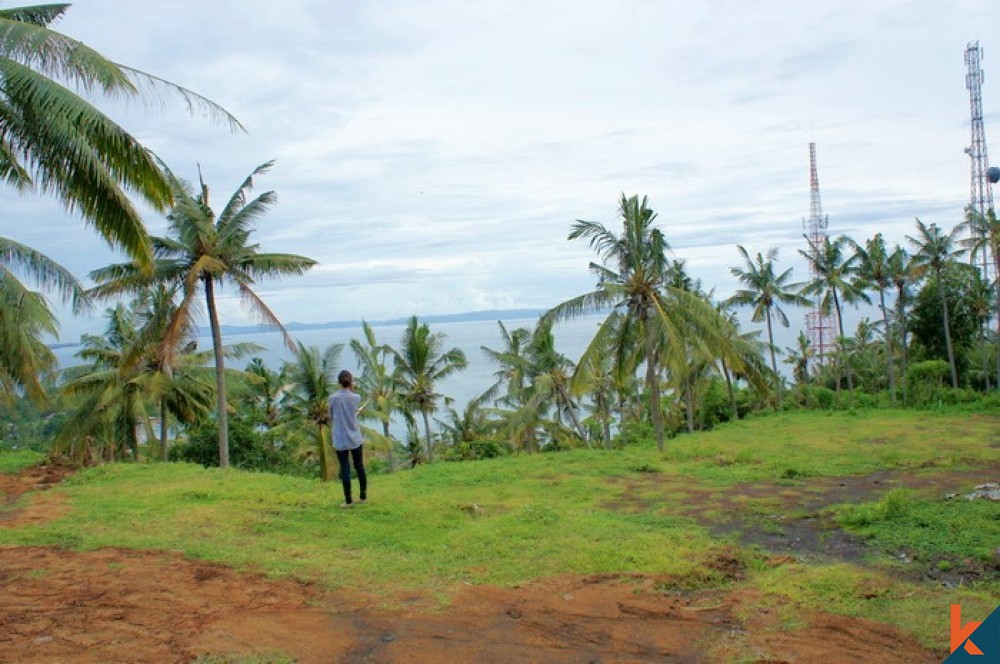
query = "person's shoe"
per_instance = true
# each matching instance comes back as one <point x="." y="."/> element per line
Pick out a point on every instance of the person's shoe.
<point x="347" y="504"/>
<point x="363" y="501"/>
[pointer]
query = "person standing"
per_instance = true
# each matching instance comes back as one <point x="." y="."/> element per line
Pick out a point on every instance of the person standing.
<point x="347" y="441"/>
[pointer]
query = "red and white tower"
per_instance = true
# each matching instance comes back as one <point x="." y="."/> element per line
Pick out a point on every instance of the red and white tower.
<point x="819" y="326"/>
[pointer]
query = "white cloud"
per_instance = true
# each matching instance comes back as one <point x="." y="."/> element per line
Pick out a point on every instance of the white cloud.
<point x="433" y="154"/>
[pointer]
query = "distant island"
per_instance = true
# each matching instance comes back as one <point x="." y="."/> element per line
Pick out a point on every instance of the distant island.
<point x="468" y="316"/>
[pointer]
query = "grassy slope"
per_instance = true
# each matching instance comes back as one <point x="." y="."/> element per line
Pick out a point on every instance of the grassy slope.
<point x="505" y="521"/>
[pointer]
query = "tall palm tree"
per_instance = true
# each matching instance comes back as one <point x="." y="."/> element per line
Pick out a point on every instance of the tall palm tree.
<point x="935" y="249"/>
<point x="876" y="272"/>
<point x="313" y="377"/>
<point x="766" y="291"/>
<point x="834" y="282"/>
<point x="54" y="140"/>
<point x="984" y="236"/>
<point x="420" y="362"/>
<point x="202" y="253"/>
<point x="632" y="280"/>
<point x="376" y="384"/>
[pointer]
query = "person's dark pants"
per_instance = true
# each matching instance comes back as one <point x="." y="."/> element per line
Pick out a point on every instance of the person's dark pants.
<point x="344" y="457"/>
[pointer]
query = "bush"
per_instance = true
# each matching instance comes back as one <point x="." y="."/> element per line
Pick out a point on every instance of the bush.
<point x="483" y="448"/>
<point x="249" y="449"/>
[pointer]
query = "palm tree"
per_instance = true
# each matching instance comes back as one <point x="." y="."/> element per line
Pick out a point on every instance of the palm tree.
<point x="54" y="140"/>
<point x="934" y="251"/>
<point x="376" y="384"/>
<point x="420" y="363"/>
<point x="204" y="252"/>
<point x="799" y="357"/>
<point x="833" y="283"/>
<point x="125" y="382"/>
<point x="876" y="272"/>
<point x="25" y="316"/>
<point x="766" y="291"/>
<point x="632" y="280"/>
<point x="263" y="391"/>
<point x="984" y="236"/>
<point x="511" y="362"/>
<point x="313" y="377"/>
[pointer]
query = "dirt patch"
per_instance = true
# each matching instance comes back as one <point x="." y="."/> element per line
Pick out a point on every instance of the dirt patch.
<point x="118" y="605"/>
<point x="787" y="517"/>
<point x="41" y="507"/>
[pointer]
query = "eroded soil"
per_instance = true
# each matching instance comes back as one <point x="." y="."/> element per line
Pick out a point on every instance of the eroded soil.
<point x="115" y="605"/>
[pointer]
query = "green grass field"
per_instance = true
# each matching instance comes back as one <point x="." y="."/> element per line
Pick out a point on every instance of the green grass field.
<point x="505" y="521"/>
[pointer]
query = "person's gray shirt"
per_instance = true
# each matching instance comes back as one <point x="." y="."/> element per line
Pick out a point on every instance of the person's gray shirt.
<point x="344" y="418"/>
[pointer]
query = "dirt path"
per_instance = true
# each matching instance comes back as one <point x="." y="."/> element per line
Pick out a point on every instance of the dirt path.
<point x="133" y="606"/>
<point x="115" y="605"/>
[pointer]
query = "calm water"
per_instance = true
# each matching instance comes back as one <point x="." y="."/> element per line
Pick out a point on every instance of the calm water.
<point x="571" y="339"/>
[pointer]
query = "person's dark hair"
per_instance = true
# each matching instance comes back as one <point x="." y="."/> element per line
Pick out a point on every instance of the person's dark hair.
<point x="345" y="378"/>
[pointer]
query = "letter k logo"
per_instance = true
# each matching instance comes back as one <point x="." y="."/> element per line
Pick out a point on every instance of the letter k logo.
<point x="959" y="634"/>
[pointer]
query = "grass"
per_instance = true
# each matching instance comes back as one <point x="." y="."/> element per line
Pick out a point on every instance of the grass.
<point x="929" y="531"/>
<point x="506" y="521"/>
<point x="13" y="462"/>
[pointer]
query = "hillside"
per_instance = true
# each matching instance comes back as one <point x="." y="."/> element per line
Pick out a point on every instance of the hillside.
<point x="746" y="543"/>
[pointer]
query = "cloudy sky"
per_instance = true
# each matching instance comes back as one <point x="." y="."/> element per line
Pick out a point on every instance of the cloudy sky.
<point x="431" y="155"/>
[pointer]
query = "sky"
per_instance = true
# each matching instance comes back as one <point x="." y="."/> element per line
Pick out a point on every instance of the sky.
<point x="432" y="155"/>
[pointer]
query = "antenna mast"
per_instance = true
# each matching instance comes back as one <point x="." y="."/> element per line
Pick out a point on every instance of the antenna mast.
<point x="980" y="191"/>
<point x="818" y="325"/>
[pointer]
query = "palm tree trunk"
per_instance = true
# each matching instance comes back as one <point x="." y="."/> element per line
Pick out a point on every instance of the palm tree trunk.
<point x="889" y="359"/>
<point x="391" y="457"/>
<point x="427" y="430"/>
<point x="564" y="397"/>
<point x="324" y="454"/>
<point x="774" y="362"/>
<point x="729" y="388"/>
<point x="901" y="317"/>
<point x="222" y="415"/>
<point x="847" y="364"/>
<point x="653" y="386"/>
<point x="946" y="319"/>
<point x="163" y="430"/>
<point x="689" y="402"/>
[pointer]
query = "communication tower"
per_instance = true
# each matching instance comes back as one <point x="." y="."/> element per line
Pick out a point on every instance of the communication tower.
<point x="819" y="325"/>
<point x="982" y="176"/>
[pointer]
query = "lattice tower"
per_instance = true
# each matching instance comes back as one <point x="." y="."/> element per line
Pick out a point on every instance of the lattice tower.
<point x="819" y="326"/>
<point x="980" y="191"/>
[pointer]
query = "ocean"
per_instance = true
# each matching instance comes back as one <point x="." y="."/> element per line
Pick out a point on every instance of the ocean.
<point x="571" y="338"/>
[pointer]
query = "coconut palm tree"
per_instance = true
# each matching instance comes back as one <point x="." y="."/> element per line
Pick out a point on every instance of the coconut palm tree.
<point x="632" y="280"/>
<point x="204" y="252"/>
<point x="934" y="250"/>
<point x="420" y="362"/>
<point x="834" y="282"/>
<point x="766" y="291"/>
<point x="124" y="382"/>
<point x="511" y="361"/>
<point x="313" y="378"/>
<point x="376" y="385"/>
<point x="875" y="272"/>
<point x="984" y="236"/>
<point x="54" y="140"/>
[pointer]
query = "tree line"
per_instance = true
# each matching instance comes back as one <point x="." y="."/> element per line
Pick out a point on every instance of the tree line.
<point x="668" y="356"/>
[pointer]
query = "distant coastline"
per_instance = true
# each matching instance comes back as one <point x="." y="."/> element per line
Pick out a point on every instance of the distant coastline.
<point x="468" y="316"/>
